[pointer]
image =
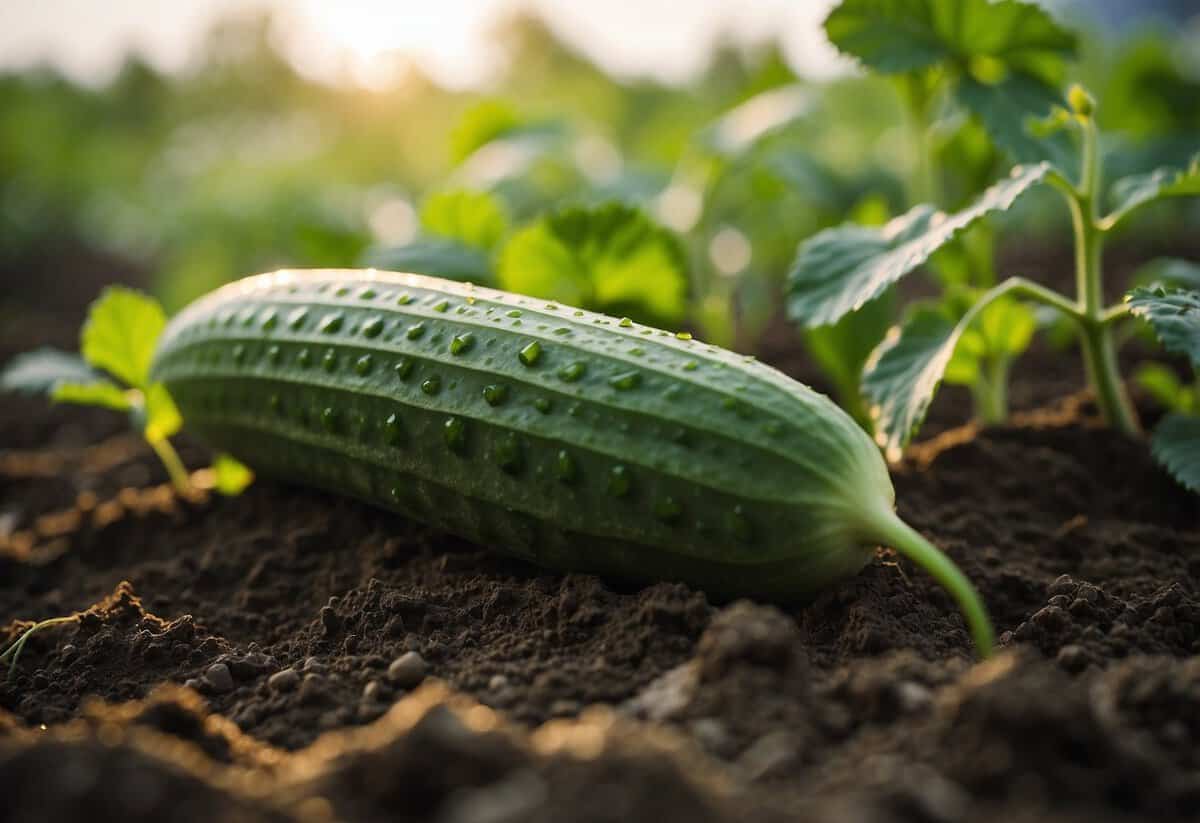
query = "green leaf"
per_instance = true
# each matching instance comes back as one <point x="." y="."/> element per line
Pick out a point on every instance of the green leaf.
<point x="1169" y="272"/>
<point x="481" y="124"/>
<point x="1176" y="446"/>
<point x="841" y="349"/>
<point x="473" y="218"/>
<point x="1003" y="331"/>
<point x="1163" y="385"/>
<point x="840" y="269"/>
<point x="162" y="416"/>
<point x="38" y="372"/>
<point x="230" y="477"/>
<point x="437" y="258"/>
<point x="1174" y="315"/>
<point x="119" y="335"/>
<point x="894" y="36"/>
<point x="611" y="258"/>
<point x="1011" y="111"/>
<point x="103" y="393"/>
<point x="1130" y="193"/>
<point x="904" y="372"/>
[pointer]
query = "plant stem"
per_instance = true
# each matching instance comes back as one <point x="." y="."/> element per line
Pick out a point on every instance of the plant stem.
<point x="991" y="395"/>
<point x="1096" y="340"/>
<point x="14" y="651"/>
<point x="174" y="466"/>
<point x="885" y="525"/>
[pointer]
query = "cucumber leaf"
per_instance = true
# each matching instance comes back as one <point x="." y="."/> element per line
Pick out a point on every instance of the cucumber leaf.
<point x="1176" y="446"/>
<point x="119" y="335"/>
<point x="1135" y="191"/>
<point x="1011" y="109"/>
<point x="474" y="218"/>
<point x="842" y="348"/>
<point x="103" y="393"/>
<point x="1169" y="272"/>
<point x="895" y="36"/>
<point x="437" y="258"/>
<point x="230" y="476"/>
<point x="1004" y="331"/>
<point x="902" y="375"/>
<point x="841" y="269"/>
<point x="40" y="371"/>
<point x="484" y="122"/>
<point x="611" y="258"/>
<point x="1174" y="315"/>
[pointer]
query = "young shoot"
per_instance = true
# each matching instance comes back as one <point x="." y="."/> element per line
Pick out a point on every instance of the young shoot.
<point x="847" y="270"/>
<point x="112" y="370"/>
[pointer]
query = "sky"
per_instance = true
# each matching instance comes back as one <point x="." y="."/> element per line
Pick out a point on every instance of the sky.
<point x="353" y="39"/>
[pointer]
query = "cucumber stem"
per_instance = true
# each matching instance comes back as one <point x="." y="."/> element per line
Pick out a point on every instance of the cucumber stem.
<point x="887" y="527"/>
<point x="171" y="462"/>
<point x="1096" y="338"/>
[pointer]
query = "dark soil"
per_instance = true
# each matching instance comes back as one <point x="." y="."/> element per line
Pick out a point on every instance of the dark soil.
<point x="244" y="659"/>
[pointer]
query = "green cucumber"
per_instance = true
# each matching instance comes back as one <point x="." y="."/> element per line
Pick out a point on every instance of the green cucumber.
<point x="572" y="439"/>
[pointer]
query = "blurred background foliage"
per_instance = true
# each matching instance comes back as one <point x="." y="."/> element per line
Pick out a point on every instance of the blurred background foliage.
<point x="239" y="164"/>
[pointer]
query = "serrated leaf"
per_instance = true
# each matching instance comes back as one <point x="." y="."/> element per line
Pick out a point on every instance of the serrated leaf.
<point x="841" y="349"/>
<point x="1174" y="315"/>
<point x="611" y="258"/>
<point x="103" y="393"/>
<point x="473" y="218"/>
<point x="121" y="330"/>
<point x="840" y="269"/>
<point x="162" y="417"/>
<point x="437" y="258"/>
<point x="1130" y="193"/>
<point x="1176" y="446"/>
<point x="1169" y="272"/>
<point x="230" y="477"/>
<point x="38" y="372"/>
<point x="906" y="35"/>
<point x="904" y="372"/>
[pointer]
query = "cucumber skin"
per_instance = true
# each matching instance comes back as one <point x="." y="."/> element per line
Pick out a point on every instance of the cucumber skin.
<point x="620" y="449"/>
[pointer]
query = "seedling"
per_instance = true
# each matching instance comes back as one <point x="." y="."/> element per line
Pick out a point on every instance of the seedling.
<point x="13" y="653"/>
<point x="1001" y="63"/>
<point x="112" y="371"/>
<point x="849" y="269"/>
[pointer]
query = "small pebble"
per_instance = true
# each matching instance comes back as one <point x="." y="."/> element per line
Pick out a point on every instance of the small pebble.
<point x="284" y="680"/>
<point x="373" y="692"/>
<point x="219" y="678"/>
<point x="497" y="682"/>
<point x="408" y="670"/>
<point x="913" y="696"/>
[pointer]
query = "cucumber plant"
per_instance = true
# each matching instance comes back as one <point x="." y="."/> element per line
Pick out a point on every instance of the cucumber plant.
<point x="972" y="75"/>
<point x="904" y="371"/>
<point x="112" y="371"/>
<point x="572" y="439"/>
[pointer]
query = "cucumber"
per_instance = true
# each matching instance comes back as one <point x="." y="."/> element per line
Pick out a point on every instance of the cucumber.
<point x="572" y="439"/>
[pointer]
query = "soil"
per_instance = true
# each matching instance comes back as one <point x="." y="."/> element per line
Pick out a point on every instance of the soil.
<point x="287" y="655"/>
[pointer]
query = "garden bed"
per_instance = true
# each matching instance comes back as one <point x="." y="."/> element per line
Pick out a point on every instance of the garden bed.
<point x="553" y="697"/>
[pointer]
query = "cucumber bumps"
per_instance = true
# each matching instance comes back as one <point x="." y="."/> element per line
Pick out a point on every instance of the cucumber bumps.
<point x="574" y="440"/>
